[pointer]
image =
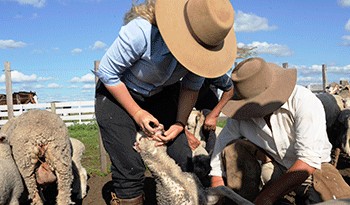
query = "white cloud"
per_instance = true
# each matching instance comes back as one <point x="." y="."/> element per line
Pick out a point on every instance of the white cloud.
<point x="4" y="44"/>
<point x="313" y="74"/>
<point x="346" y="40"/>
<point x="18" y="77"/>
<point x="53" y="85"/>
<point x="347" y="25"/>
<point x="35" y="3"/>
<point x="344" y="3"/>
<point x="245" y="22"/>
<point x="339" y="69"/>
<point x="88" y="78"/>
<point x="38" y="86"/>
<point x="76" y="50"/>
<point x="88" y="86"/>
<point x="267" y="48"/>
<point x="44" y="78"/>
<point x="98" y="45"/>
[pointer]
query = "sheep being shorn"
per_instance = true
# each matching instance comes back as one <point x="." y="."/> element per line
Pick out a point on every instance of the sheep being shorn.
<point x="11" y="184"/>
<point x="174" y="186"/>
<point x="39" y="139"/>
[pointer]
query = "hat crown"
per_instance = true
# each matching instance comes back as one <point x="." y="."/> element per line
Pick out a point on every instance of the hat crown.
<point x="252" y="77"/>
<point x="209" y="20"/>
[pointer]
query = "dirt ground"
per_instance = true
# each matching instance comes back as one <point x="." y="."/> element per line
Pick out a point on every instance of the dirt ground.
<point x="99" y="190"/>
<point x="99" y="186"/>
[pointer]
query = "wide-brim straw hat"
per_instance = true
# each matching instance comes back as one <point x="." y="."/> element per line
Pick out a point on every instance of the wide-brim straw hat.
<point x="199" y="33"/>
<point x="261" y="87"/>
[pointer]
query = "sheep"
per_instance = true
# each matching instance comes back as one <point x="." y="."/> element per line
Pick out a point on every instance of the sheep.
<point x="79" y="185"/>
<point x="11" y="184"/>
<point x="342" y="130"/>
<point x="39" y="139"/>
<point x="337" y="121"/>
<point x="47" y="179"/>
<point x="194" y="125"/>
<point x="173" y="186"/>
<point x="78" y="150"/>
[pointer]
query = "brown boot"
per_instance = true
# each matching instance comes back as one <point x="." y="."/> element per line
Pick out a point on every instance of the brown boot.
<point x="133" y="201"/>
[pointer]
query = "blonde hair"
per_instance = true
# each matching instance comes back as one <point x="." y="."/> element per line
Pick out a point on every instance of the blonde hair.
<point x="144" y="10"/>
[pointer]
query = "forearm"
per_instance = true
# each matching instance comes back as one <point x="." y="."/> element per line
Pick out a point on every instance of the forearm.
<point x="293" y="178"/>
<point x="187" y="100"/>
<point x="225" y="97"/>
<point x="122" y="95"/>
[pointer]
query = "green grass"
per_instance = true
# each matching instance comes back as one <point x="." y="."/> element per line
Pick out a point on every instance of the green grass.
<point x="221" y="123"/>
<point x="89" y="135"/>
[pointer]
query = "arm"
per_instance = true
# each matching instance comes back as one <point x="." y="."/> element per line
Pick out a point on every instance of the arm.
<point x="187" y="99"/>
<point x="125" y="51"/>
<point x="309" y="124"/>
<point x="293" y="178"/>
<point x="211" y="119"/>
<point x="142" y="117"/>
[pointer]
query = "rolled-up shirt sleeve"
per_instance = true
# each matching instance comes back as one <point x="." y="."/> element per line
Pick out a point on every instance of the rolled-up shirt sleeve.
<point x="224" y="83"/>
<point x="310" y="124"/>
<point x="228" y="133"/>
<point x="128" y="47"/>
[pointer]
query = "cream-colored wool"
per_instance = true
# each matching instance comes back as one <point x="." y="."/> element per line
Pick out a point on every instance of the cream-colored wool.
<point x="174" y="186"/>
<point x="41" y="136"/>
<point x="11" y="184"/>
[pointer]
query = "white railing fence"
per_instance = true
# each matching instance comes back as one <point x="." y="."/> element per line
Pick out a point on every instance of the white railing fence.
<point x="78" y="112"/>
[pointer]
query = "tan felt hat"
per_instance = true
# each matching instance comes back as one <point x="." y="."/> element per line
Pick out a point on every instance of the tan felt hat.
<point x="262" y="88"/>
<point x="199" y="33"/>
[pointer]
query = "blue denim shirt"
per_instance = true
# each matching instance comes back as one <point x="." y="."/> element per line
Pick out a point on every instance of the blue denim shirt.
<point x="140" y="58"/>
<point x="223" y="82"/>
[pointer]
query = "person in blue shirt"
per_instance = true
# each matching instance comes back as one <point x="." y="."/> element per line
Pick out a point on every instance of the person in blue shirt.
<point x="151" y="75"/>
<point x="210" y="104"/>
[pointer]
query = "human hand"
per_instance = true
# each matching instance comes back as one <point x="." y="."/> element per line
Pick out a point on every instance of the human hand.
<point x="170" y="134"/>
<point x="146" y="121"/>
<point x="193" y="142"/>
<point x="142" y="139"/>
<point x="210" y="122"/>
<point x="217" y="181"/>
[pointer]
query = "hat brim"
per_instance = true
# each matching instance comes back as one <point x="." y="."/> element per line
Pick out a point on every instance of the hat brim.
<point x="205" y="62"/>
<point x="283" y="83"/>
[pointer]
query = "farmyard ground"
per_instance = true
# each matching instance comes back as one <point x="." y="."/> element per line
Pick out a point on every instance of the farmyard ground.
<point x="99" y="185"/>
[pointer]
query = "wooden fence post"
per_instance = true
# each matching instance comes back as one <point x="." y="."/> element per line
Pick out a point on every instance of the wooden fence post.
<point x="9" y="98"/>
<point x="324" y="77"/>
<point x="103" y="154"/>
<point x="53" y="107"/>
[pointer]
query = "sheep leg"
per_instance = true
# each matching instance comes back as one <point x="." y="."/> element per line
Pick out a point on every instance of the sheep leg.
<point x="29" y="179"/>
<point x="64" y="182"/>
<point x="61" y="161"/>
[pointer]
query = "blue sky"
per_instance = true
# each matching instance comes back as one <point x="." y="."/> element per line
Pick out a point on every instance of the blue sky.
<point x="52" y="44"/>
